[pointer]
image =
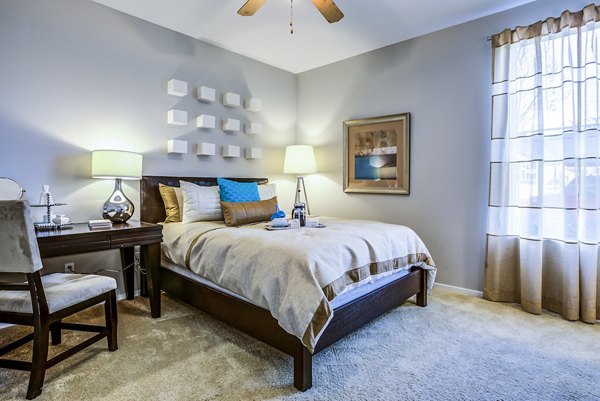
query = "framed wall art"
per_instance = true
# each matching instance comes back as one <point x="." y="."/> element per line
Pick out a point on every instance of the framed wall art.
<point x="376" y="154"/>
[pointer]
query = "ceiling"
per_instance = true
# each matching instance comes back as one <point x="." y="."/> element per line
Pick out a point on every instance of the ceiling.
<point x="367" y="25"/>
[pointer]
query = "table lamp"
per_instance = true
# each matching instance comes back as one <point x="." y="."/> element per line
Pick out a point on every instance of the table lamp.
<point x="120" y="165"/>
<point x="300" y="159"/>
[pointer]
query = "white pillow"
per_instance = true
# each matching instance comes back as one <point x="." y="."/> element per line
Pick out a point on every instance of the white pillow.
<point x="267" y="191"/>
<point x="200" y="203"/>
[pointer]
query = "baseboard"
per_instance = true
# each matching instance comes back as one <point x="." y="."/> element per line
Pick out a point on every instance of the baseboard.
<point x="459" y="290"/>
<point x="122" y="296"/>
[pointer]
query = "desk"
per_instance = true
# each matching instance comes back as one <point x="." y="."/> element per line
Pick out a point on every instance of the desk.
<point x="81" y="239"/>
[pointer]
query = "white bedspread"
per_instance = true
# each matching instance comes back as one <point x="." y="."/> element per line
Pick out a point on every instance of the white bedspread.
<point x="295" y="273"/>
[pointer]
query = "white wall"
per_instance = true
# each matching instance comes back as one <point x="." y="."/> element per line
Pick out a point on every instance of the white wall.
<point x="77" y="76"/>
<point x="443" y="80"/>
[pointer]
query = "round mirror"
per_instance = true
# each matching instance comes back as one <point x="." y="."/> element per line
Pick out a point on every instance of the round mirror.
<point x="10" y="189"/>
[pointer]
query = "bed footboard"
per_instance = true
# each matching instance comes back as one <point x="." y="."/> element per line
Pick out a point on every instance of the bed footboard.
<point x="422" y="294"/>
<point x="353" y="315"/>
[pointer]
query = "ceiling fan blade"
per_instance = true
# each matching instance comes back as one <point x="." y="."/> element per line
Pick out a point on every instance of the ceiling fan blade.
<point x="250" y="7"/>
<point x="329" y="10"/>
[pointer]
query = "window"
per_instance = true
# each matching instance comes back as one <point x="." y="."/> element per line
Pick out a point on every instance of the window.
<point x="544" y="219"/>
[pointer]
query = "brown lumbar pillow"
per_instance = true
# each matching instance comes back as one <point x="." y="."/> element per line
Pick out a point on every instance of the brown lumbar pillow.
<point x="169" y="198"/>
<point x="238" y="213"/>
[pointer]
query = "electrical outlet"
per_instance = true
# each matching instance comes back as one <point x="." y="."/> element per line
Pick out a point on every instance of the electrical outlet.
<point x="70" y="267"/>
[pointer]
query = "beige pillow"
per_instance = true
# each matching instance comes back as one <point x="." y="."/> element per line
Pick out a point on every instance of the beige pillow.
<point x="173" y="200"/>
<point x="239" y="213"/>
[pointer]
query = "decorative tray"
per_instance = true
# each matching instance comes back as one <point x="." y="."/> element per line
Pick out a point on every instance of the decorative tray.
<point x="289" y="227"/>
<point x="273" y="228"/>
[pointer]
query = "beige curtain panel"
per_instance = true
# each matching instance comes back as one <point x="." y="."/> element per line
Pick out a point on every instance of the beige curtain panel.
<point x="551" y="25"/>
<point x="544" y="202"/>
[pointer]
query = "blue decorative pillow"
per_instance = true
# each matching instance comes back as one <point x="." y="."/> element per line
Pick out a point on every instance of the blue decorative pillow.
<point x="233" y="191"/>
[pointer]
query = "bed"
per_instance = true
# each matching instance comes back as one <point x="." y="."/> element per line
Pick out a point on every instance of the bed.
<point x="348" y="311"/>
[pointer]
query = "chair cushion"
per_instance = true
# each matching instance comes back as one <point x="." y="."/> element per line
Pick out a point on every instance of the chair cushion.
<point x="62" y="290"/>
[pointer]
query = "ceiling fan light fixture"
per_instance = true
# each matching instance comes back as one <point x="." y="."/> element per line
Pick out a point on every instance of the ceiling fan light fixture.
<point x="250" y="7"/>
<point x="328" y="9"/>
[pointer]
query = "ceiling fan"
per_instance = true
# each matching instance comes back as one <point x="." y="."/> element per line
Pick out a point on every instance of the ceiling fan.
<point x="327" y="8"/>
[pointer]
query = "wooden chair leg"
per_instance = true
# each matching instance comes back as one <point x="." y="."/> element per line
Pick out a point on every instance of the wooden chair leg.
<point x="55" y="333"/>
<point x="303" y="369"/>
<point x="110" y="313"/>
<point x="38" y="363"/>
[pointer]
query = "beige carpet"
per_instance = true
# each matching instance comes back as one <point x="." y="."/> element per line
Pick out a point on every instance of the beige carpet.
<point x="458" y="348"/>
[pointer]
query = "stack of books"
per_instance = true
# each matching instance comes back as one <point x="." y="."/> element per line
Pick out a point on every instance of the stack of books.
<point x="103" y="223"/>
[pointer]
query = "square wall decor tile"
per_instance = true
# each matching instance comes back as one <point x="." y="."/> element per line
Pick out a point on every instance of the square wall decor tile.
<point x="253" y="128"/>
<point x="231" y="99"/>
<point x="231" y="125"/>
<point x="253" y="104"/>
<point x="176" y="146"/>
<point x="231" y="151"/>
<point x="206" y="94"/>
<point x="253" y="153"/>
<point x="177" y="87"/>
<point x="205" y="149"/>
<point x="206" y="121"/>
<point x="177" y="117"/>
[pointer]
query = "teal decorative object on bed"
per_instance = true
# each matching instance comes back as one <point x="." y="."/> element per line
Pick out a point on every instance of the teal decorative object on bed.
<point x="233" y="191"/>
<point x="278" y="213"/>
<point x="278" y="218"/>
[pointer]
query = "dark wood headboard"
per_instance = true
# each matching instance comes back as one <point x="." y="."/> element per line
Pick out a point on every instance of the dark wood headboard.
<point x="152" y="208"/>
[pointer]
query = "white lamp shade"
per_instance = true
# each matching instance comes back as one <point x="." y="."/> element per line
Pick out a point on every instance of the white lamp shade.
<point x="299" y="159"/>
<point x="116" y="164"/>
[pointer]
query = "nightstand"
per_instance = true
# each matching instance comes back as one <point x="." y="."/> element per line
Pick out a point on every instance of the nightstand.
<point x="79" y="238"/>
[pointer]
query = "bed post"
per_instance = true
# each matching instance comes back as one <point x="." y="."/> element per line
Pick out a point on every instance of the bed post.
<point x="422" y="294"/>
<point x="303" y="368"/>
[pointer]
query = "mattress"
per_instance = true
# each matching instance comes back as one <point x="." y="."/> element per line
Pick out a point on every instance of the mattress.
<point x="366" y="286"/>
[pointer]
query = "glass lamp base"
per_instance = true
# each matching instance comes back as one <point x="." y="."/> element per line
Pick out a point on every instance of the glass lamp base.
<point x="118" y="208"/>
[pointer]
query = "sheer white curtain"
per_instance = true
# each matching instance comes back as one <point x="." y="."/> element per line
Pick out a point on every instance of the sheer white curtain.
<point x="543" y="217"/>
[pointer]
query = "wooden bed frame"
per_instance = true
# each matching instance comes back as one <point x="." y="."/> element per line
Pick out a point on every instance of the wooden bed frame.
<point x="258" y="322"/>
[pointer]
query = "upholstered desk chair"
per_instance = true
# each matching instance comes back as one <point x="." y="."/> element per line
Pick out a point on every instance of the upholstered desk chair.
<point x="42" y="302"/>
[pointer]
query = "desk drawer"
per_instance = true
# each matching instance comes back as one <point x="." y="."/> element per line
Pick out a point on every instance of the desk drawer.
<point x="59" y="248"/>
<point x="118" y="241"/>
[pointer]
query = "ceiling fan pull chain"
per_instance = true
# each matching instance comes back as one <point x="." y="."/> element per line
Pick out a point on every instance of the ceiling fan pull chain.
<point x="291" y="17"/>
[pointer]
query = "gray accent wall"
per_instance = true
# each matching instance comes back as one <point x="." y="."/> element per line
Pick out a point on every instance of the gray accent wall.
<point x="444" y="80"/>
<point x="77" y="76"/>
